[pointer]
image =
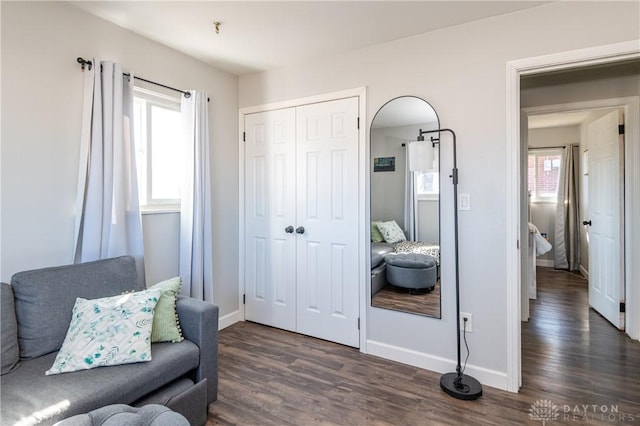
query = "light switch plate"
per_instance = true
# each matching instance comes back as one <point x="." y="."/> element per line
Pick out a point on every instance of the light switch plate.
<point x="464" y="203"/>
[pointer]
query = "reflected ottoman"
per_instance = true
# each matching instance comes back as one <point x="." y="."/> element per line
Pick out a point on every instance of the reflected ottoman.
<point x="413" y="271"/>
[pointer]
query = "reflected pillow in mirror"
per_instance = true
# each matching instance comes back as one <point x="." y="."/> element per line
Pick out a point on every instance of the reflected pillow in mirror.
<point x="376" y="236"/>
<point x="391" y="232"/>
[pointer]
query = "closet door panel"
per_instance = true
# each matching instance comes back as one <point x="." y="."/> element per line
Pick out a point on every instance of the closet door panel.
<point x="327" y="200"/>
<point x="270" y="273"/>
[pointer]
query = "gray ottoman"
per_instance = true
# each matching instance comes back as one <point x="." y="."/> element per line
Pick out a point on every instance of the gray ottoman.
<point x="124" y="415"/>
<point x="414" y="271"/>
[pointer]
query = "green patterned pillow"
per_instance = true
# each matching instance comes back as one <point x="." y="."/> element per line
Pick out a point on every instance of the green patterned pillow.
<point x="108" y="331"/>
<point x="391" y="232"/>
<point x="166" y="326"/>
<point x="376" y="236"/>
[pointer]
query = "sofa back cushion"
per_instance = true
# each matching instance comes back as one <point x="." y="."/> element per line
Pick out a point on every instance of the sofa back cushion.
<point x="45" y="297"/>
<point x="9" y="325"/>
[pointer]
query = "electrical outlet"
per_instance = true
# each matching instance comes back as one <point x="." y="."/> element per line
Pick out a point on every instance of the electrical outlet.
<point x="468" y="326"/>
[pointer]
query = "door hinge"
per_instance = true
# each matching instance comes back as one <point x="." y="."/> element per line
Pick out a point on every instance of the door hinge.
<point x="621" y="129"/>
<point x="244" y="299"/>
<point x="623" y="307"/>
<point x="358" y="122"/>
<point x="518" y="244"/>
<point x="358" y="323"/>
<point x="244" y="136"/>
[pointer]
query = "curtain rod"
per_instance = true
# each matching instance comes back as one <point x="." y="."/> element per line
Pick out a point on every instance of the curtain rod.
<point x="545" y="147"/>
<point x="89" y="64"/>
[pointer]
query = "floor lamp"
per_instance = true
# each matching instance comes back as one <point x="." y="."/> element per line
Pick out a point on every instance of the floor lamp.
<point x="457" y="384"/>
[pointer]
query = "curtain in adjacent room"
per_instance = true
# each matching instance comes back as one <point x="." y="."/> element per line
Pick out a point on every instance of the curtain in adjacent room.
<point x="567" y="241"/>
<point x="410" y="199"/>
<point x="196" y="257"/>
<point x="108" y="221"/>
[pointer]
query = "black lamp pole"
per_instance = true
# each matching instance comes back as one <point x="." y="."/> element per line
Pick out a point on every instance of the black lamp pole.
<point x="457" y="384"/>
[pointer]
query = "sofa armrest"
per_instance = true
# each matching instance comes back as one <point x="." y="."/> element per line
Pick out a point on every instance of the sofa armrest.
<point x="199" y="323"/>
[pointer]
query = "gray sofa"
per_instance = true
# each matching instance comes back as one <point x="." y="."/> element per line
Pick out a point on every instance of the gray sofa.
<point x="36" y="311"/>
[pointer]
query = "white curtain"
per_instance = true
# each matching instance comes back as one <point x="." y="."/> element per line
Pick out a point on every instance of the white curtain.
<point x="410" y="200"/>
<point x="108" y="219"/>
<point x="196" y="257"/>
<point x="567" y="239"/>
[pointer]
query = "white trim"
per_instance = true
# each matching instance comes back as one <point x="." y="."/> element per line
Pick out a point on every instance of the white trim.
<point x="496" y="379"/>
<point x="515" y="69"/>
<point x="584" y="272"/>
<point x="545" y="263"/>
<point x="230" y="319"/>
<point x="363" y="194"/>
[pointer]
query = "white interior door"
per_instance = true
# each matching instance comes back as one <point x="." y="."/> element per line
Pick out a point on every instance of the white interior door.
<point x="604" y="212"/>
<point x="327" y="182"/>
<point x="270" y="282"/>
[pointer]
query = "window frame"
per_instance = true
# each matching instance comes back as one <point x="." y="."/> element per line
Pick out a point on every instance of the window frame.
<point x="536" y="152"/>
<point x="145" y="184"/>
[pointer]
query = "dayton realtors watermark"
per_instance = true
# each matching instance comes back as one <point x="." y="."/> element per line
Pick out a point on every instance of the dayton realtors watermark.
<point x="545" y="411"/>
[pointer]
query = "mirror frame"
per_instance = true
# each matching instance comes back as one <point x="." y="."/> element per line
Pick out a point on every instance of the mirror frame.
<point x="399" y="297"/>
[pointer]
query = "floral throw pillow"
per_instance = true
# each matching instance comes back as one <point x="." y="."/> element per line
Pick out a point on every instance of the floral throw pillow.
<point x="391" y="232"/>
<point x="108" y="331"/>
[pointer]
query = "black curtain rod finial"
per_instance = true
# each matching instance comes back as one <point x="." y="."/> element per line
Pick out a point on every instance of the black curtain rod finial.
<point x="84" y="62"/>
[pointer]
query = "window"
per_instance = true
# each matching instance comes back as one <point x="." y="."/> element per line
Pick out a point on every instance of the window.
<point x="158" y="141"/>
<point x="544" y="174"/>
<point x="428" y="184"/>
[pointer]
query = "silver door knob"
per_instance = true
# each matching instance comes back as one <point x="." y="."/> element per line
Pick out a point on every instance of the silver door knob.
<point x="300" y="230"/>
<point x="289" y="229"/>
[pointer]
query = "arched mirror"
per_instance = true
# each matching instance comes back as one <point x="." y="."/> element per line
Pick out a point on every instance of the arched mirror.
<point x="405" y="209"/>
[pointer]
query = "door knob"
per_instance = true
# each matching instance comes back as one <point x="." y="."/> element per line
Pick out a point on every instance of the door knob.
<point x="586" y="222"/>
<point x="289" y="229"/>
<point x="300" y="230"/>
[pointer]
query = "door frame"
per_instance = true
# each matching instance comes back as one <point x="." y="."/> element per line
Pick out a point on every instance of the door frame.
<point x="360" y="93"/>
<point x="515" y="69"/>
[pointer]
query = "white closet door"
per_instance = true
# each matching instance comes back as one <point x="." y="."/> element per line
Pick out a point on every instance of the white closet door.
<point x="270" y="268"/>
<point x="327" y="200"/>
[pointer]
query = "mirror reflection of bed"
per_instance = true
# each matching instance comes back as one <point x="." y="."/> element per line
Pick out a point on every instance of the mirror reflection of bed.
<point x="405" y="209"/>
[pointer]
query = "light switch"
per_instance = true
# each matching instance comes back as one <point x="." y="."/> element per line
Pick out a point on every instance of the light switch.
<point x="464" y="202"/>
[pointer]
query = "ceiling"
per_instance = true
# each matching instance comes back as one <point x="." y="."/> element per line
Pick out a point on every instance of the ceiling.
<point x="260" y="35"/>
<point x="558" y="119"/>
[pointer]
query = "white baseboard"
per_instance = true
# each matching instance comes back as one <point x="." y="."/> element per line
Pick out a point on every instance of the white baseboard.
<point x="230" y="319"/>
<point x="584" y="272"/>
<point x="546" y="263"/>
<point x="438" y="364"/>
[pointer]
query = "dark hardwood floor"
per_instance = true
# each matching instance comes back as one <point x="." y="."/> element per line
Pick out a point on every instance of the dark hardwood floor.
<point x="399" y="299"/>
<point x="571" y="357"/>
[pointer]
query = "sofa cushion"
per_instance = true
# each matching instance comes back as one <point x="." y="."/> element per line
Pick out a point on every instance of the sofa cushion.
<point x="9" y="343"/>
<point x="44" y="298"/>
<point x="30" y="397"/>
<point x="108" y="331"/>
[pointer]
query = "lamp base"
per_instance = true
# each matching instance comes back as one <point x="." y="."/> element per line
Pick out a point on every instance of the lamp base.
<point x="466" y="388"/>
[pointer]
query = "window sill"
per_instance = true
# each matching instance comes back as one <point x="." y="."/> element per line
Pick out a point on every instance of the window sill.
<point x="159" y="209"/>
<point x="543" y="201"/>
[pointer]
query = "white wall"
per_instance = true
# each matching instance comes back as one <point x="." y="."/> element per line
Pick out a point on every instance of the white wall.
<point x="387" y="188"/>
<point x="543" y="214"/>
<point x="460" y="71"/>
<point x="41" y="116"/>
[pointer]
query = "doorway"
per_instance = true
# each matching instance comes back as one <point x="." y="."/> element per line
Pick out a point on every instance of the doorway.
<point x="574" y="60"/>
<point x="577" y="155"/>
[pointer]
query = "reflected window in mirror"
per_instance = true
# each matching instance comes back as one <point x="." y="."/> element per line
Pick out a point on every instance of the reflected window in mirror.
<point x="405" y="209"/>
